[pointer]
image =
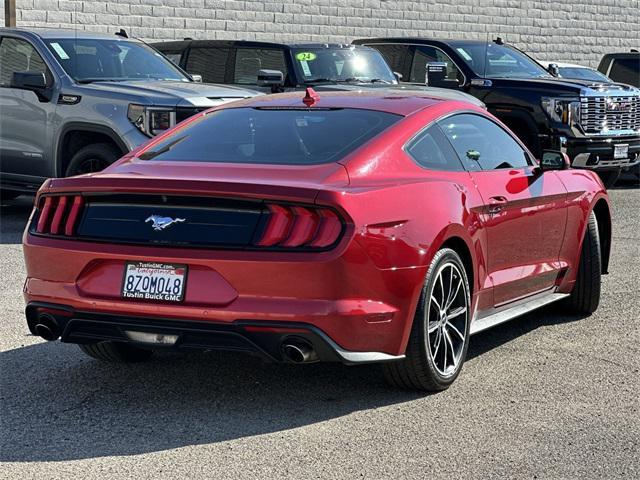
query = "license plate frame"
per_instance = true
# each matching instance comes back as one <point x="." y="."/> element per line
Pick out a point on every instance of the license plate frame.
<point x="621" y="151"/>
<point x="154" y="292"/>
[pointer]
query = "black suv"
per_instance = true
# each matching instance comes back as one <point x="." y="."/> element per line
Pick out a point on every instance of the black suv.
<point x="596" y="124"/>
<point x="622" y="67"/>
<point x="278" y="67"/>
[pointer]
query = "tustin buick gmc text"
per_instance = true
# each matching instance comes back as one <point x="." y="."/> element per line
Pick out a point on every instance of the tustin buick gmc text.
<point x="357" y="227"/>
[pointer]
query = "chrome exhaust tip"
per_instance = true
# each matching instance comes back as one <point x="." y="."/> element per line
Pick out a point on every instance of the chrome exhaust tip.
<point x="47" y="327"/>
<point x="299" y="351"/>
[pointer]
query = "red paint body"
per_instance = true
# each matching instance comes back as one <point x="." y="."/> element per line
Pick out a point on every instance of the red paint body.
<point x="363" y="292"/>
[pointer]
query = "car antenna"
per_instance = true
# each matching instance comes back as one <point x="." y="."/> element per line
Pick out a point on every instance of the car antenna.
<point x="311" y="97"/>
<point x="122" y="33"/>
<point x="498" y="41"/>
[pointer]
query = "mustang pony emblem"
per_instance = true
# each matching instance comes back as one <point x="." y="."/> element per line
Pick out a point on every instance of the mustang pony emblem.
<point x="160" y="223"/>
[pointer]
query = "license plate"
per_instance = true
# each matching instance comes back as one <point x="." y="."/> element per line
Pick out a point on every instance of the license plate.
<point x="620" y="151"/>
<point x="164" y="282"/>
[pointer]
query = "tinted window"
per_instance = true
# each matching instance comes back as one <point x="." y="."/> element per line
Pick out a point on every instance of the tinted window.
<point x="18" y="56"/>
<point x="626" y="70"/>
<point x="341" y="64"/>
<point x="174" y="57"/>
<point x="424" y="55"/>
<point x="88" y="59"/>
<point x="482" y="144"/>
<point x="499" y="61"/>
<point x="582" y="74"/>
<point x="293" y="136"/>
<point x="210" y="62"/>
<point x="395" y="55"/>
<point x="250" y="60"/>
<point x="432" y="150"/>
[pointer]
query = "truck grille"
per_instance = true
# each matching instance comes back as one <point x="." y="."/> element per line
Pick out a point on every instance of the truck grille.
<point x="605" y="115"/>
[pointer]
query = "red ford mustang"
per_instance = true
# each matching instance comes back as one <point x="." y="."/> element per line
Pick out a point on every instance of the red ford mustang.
<point x="350" y="227"/>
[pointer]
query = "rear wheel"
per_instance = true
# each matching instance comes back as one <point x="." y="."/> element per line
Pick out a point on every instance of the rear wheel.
<point x="585" y="296"/>
<point x="116" y="352"/>
<point x="92" y="158"/>
<point x="440" y="333"/>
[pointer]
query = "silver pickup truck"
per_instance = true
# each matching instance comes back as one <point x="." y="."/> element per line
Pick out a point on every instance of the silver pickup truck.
<point x="74" y="102"/>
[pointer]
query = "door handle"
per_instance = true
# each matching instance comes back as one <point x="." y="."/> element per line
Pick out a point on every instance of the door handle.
<point x="496" y="204"/>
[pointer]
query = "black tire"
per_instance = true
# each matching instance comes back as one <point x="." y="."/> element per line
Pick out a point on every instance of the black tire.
<point x="609" y="177"/>
<point x="585" y="296"/>
<point x="116" y="352"/>
<point x="418" y="370"/>
<point x="92" y="158"/>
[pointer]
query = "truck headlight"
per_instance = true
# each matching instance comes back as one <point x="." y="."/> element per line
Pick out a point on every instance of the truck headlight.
<point x="151" y="120"/>
<point x="563" y="109"/>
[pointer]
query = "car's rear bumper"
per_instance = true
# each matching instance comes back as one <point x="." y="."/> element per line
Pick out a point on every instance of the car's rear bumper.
<point x="264" y="338"/>
<point x="342" y="297"/>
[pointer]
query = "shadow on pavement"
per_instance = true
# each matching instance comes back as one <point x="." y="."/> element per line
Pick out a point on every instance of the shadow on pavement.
<point x="59" y="405"/>
<point x="13" y="218"/>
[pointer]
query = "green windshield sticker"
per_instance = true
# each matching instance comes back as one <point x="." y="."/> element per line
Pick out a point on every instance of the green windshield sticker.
<point x="305" y="56"/>
<point x="464" y="54"/>
<point x="60" y="51"/>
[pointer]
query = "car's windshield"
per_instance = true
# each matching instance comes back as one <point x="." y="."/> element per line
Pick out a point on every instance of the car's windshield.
<point x="272" y="136"/>
<point x="341" y="64"/>
<point x="90" y="60"/>
<point x="499" y="61"/>
<point x="582" y="73"/>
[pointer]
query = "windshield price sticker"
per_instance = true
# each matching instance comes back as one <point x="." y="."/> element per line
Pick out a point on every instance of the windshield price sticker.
<point x="306" y="56"/>
<point x="60" y="51"/>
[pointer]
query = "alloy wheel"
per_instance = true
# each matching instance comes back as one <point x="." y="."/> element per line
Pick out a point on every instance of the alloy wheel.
<point x="447" y="318"/>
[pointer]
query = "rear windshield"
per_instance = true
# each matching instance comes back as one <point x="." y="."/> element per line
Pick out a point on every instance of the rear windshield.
<point x="269" y="136"/>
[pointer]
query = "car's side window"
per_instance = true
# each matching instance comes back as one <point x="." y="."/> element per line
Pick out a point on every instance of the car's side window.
<point x="18" y="56"/>
<point x="424" y="54"/>
<point x="396" y="56"/>
<point x="431" y="149"/>
<point x="210" y="62"/>
<point x="250" y="60"/>
<point x="174" y="56"/>
<point x="483" y="144"/>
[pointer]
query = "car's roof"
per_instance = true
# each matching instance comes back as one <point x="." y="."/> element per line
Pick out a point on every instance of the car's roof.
<point x="453" y="42"/>
<point x="403" y="102"/>
<point x="568" y="65"/>
<point x="251" y="43"/>
<point x="48" y="33"/>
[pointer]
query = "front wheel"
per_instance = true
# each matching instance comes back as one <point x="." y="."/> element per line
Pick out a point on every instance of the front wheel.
<point x="440" y="333"/>
<point x="92" y="158"/>
<point x="585" y="297"/>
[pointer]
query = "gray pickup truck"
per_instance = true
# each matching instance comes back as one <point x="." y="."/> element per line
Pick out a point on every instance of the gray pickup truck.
<point x="74" y="102"/>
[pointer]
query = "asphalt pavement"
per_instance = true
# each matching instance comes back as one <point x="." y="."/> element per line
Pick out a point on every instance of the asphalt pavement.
<point x="545" y="396"/>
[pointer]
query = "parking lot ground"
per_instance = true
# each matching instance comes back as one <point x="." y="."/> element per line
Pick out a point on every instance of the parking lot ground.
<point x="545" y="396"/>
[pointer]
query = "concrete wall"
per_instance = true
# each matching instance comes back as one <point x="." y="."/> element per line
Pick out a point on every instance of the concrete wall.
<point x="562" y="30"/>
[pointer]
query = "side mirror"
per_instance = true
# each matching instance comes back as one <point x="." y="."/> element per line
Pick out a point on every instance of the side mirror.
<point x="271" y="78"/>
<point x="29" y="80"/>
<point x="33" y="81"/>
<point x="553" y="69"/>
<point x="554" y="160"/>
<point x="398" y="76"/>
<point x="196" y="78"/>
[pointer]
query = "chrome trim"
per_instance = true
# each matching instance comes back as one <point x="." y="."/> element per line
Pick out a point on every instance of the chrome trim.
<point x="521" y="308"/>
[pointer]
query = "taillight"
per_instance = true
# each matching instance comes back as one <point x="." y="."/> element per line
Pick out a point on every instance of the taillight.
<point x="291" y="226"/>
<point x="59" y="215"/>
